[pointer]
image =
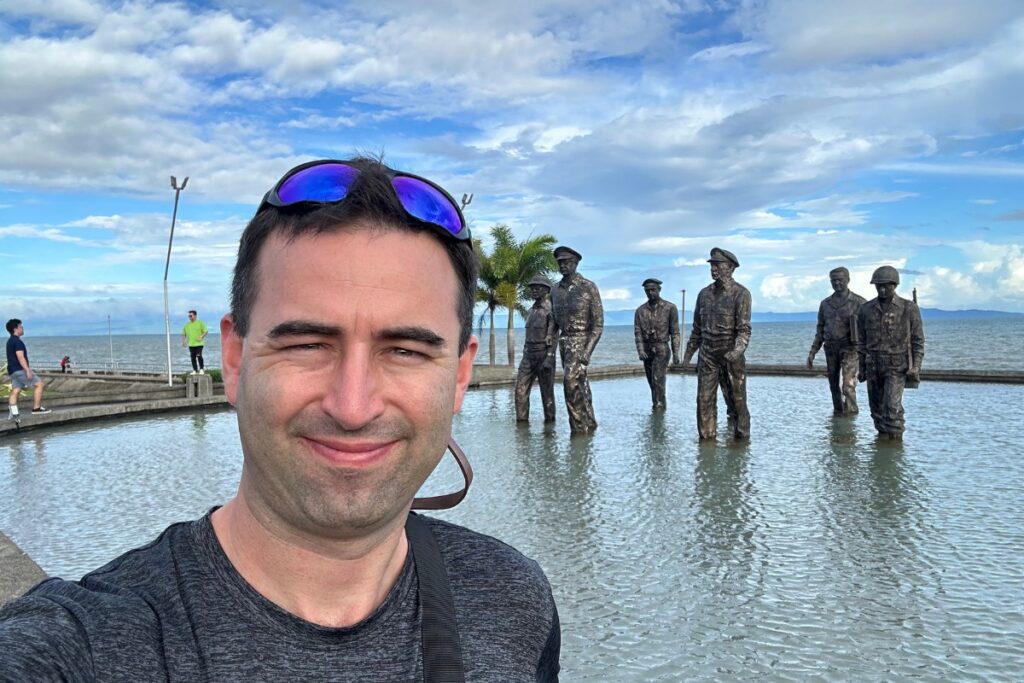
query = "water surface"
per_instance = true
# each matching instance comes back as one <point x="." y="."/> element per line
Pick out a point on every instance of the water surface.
<point x="815" y="552"/>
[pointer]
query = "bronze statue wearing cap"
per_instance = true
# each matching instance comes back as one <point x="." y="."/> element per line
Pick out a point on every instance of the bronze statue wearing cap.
<point x="837" y="331"/>
<point x="891" y="348"/>
<point x="721" y="331"/>
<point x="538" y="354"/>
<point x="579" y="322"/>
<point x="655" y="327"/>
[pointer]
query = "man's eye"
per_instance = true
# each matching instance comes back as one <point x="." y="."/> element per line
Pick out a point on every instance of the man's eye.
<point x="407" y="353"/>
<point x="312" y="346"/>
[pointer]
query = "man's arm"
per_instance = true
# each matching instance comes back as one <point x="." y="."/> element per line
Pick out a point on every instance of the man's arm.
<point x="638" y="334"/>
<point x="205" y="331"/>
<point x="693" y="343"/>
<point x="548" y="666"/>
<point x="862" y="348"/>
<point x="40" y="640"/>
<point x="742" y="305"/>
<point x="597" y="322"/>
<point x="819" y="336"/>
<point x="916" y="340"/>
<point x="23" y="359"/>
<point x="673" y="332"/>
<point x="550" y="338"/>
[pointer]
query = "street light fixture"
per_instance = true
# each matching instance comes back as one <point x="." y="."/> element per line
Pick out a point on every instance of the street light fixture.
<point x="167" y="266"/>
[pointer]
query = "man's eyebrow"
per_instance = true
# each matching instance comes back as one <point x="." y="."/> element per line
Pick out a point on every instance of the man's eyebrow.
<point x="413" y="333"/>
<point x="295" y="328"/>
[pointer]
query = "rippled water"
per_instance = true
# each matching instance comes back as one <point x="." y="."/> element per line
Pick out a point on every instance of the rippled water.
<point x="813" y="553"/>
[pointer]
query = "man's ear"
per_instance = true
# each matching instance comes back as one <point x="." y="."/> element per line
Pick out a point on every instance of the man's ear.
<point x="465" y="371"/>
<point x="230" y="356"/>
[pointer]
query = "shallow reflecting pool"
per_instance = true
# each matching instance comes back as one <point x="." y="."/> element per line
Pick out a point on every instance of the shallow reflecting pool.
<point x="813" y="553"/>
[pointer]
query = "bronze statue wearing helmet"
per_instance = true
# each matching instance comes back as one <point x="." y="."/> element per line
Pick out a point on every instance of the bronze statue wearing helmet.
<point x="891" y="348"/>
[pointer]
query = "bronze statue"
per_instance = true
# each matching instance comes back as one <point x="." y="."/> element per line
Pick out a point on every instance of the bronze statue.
<point x="837" y="330"/>
<point x="655" y="326"/>
<point x="891" y="347"/>
<point x="721" y="330"/>
<point x="538" y="354"/>
<point x="579" y="322"/>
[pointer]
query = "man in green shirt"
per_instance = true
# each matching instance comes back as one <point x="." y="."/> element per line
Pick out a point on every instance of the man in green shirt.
<point x="193" y="335"/>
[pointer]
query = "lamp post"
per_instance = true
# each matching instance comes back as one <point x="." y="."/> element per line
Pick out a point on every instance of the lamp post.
<point x="682" y="320"/>
<point x="167" y="266"/>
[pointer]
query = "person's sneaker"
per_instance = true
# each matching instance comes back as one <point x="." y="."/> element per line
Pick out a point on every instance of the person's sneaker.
<point x="40" y="410"/>
<point x="12" y="412"/>
<point x="202" y="372"/>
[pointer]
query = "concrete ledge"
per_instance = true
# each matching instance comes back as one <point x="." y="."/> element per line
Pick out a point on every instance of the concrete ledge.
<point x="498" y="375"/>
<point x="93" y="412"/>
<point x="18" y="572"/>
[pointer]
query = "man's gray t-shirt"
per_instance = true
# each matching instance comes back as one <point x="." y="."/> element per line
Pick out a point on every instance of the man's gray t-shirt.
<point x="177" y="610"/>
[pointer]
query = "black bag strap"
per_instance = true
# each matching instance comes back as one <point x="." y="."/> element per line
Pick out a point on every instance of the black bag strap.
<point x="442" y="649"/>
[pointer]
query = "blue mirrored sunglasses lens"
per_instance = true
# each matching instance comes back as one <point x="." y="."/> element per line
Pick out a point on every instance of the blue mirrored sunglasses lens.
<point x="323" y="183"/>
<point x="426" y="202"/>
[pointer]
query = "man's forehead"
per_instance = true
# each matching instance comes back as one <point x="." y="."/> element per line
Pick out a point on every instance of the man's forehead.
<point x="400" y="264"/>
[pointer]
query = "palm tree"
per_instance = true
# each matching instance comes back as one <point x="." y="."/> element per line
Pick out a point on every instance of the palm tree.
<point x="486" y="292"/>
<point x="515" y="264"/>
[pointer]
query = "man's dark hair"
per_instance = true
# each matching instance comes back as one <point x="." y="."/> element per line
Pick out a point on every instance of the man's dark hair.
<point x="193" y="313"/>
<point x="12" y="325"/>
<point x="372" y="201"/>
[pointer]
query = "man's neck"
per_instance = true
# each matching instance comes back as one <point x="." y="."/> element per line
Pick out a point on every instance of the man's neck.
<point x="331" y="583"/>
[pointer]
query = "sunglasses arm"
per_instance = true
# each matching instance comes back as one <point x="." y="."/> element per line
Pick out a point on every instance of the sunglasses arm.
<point x="448" y="500"/>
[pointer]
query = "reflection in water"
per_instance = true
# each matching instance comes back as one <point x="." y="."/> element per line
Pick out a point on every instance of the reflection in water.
<point x="199" y="423"/>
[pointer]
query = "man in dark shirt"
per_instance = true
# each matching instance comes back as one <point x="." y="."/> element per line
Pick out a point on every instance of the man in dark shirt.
<point x="579" y="321"/>
<point x="721" y="331"/>
<point x="21" y="372"/>
<point x="538" y="354"/>
<point x="891" y="347"/>
<point x="837" y="330"/>
<point x="655" y="327"/>
<point x="346" y="365"/>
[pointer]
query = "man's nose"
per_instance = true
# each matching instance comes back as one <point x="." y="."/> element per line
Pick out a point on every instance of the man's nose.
<point x="354" y="396"/>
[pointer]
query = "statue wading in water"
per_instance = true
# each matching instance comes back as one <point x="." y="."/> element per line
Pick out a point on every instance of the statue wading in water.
<point x="837" y="330"/>
<point x="579" y="321"/>
<point x="655" y="327"/>
<point x="891" y="346"/>
<point x="538" y="354"/>
<point x="721" y="331"/>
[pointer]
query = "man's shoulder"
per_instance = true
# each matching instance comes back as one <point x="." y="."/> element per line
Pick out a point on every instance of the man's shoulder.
<point x="478" y="555"/>
<point x="111" y="607"/>
<point x="136" y="574"/>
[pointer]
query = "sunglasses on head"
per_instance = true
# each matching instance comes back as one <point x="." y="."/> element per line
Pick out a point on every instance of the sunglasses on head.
<point x="328" y="181"/>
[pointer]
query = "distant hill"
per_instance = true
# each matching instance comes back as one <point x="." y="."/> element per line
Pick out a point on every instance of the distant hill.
<point x="625" y="317"/>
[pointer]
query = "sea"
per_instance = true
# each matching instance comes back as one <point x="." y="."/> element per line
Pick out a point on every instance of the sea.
<point x="968" y="343"/>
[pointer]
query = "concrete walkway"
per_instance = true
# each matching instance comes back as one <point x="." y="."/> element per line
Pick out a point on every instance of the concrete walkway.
<point x="18" y="572"/>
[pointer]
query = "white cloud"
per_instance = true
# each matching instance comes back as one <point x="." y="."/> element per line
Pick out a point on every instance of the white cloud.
<point x="730" y="51"/>
<point x="823" y="31"/>
<point x="615" y="295"/>
<point x="1012" y="283"/>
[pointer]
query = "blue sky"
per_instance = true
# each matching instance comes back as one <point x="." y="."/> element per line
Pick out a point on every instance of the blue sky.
<point x="800" y="135"/>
